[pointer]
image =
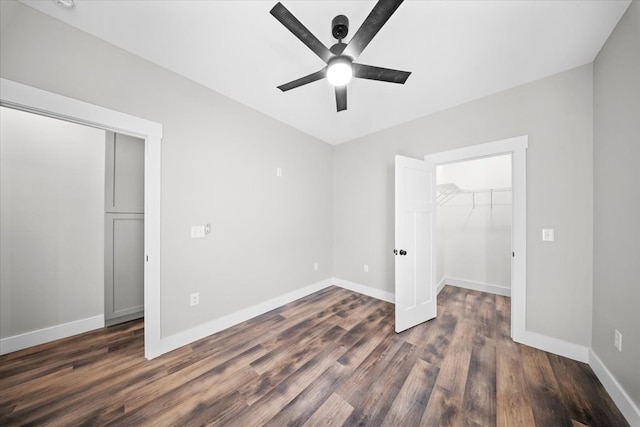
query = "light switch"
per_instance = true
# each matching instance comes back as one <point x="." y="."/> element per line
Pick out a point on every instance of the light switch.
<point x="279" y="172"/>
<point x="197" y="231"/>
<point x="548" y="235"/>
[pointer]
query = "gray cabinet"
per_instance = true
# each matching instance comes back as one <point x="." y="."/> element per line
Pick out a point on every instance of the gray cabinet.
<point x="124" y="174"/>
<point x="124" y="228"/>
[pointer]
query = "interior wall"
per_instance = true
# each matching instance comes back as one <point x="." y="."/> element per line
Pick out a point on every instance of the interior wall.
<point x="616" y="270"/>
<point x="474" y="230"/>
<point x="51" y="222"/>
<point x="556" y="113"/>
<point x="219" y="161"/>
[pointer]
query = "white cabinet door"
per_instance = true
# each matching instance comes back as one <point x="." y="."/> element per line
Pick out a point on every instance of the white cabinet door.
<point x="415" y="224"/>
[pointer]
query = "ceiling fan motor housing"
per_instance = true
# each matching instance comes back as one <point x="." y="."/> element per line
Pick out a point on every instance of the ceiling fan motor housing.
<point x="340" y="27"/>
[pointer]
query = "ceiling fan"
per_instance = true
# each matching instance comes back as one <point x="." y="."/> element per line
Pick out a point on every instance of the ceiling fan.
<point x="339" y="58"/>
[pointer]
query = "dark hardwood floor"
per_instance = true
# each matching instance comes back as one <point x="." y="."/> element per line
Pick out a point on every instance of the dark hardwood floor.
<point x="331" y="358"/>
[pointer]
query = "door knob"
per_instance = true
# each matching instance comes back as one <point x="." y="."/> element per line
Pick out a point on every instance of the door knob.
<point x="403" y="252"/>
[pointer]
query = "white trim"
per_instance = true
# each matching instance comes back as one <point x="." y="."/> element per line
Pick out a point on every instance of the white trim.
<point x="624" y="402"/>
<point x="26" y="98"/>
<point x="365" y="290"/>
<point x="441" y="284"/>
<point x="478" y="151"/>
<point x="478" y="286"/>
<point x="186" y="337"/>
<point x="554" y="345"/>
<point x="517" y="148"/>
<point x="52" y="333"/>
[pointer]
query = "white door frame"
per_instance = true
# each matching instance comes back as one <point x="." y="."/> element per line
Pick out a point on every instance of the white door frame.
<point x="21" y="97"/>
<point x="517" y="147"/>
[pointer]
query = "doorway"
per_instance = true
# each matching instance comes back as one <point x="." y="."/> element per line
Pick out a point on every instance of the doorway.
<point x="474" y="224"/>
<point x="61" y="184"/>
<point x="516" y="147"/>
<point x="21" y="97"/>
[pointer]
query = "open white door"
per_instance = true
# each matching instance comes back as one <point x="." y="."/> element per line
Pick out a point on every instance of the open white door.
<point x="415" y="242"/>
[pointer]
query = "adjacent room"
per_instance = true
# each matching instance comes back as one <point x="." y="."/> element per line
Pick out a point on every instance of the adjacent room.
<point x="319" y="213"/>
<point x="474" y="224"/>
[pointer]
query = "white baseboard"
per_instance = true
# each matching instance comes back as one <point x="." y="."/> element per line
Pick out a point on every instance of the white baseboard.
<point x="365" y="290"/>
<point x="628" y="408"/>
<point x="478" y="286"/>
<point x="180" y="339"/>
<point x="554" y="345"/>
<point x="52" y="333"/>
<point x="441" y="284"/>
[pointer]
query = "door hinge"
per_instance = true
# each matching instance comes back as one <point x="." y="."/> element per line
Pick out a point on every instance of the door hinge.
<point x="147" y="258"/>
<point x="513" y="254"/>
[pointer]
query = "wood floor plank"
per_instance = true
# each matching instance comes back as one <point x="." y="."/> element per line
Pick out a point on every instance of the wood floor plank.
<point x="148" y="391"/>
<point x="331" y="358"/>
<point x="273" y="378"/>
<point x="409" y="405"/>
<point x="580" y="389"/>
<point x="304" y="405"/>
<point x="328" y="300"/>
<point x="436" y="337"/>
<point x="503" y="317"/>
<point x="513" y="407"/>
<point x="479" y="402"/>
<point x="486" y="316"/>
<point x="369" y="370"/>
<point x="295" y="346"/>
<point x="368" y="308"/>
<point x="364" y="342"/>
<point x="373" y="406"/>
<point x="333" y="412"/>
<point x="286" y="391"/>
<point x="546" y="401"/>
<point x="208" y="385"/>
<point x="445" y="405"/>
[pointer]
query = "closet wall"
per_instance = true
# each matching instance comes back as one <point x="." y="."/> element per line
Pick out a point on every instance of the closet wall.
<point x="51" y="224"/>
<point x="474" y="222"/>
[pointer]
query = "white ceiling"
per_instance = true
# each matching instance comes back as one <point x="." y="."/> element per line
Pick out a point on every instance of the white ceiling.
<point x="457" y="51"/>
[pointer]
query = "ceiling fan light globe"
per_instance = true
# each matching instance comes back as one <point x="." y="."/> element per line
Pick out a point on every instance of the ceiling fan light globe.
<point x="339" y="73"/>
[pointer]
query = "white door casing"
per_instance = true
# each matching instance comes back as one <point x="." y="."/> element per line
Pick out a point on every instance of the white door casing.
<point x="26" y="98"/>
<point x="517" y="147"/>
<point x="415" y="226"/>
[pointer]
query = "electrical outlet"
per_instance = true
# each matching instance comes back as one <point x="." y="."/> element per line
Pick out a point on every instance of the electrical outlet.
<point x="366" y="268"/>
<point x="315" y="265"/>
<point x="617" y="340"/>
<point x="194" y="299"/>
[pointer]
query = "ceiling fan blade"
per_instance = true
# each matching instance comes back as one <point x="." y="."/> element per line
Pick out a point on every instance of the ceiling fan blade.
<point x="341" y="97"/>
<point x="378" y="73"/>
<point x="287" y="19"/>
<point x="304" y="80"/>
<point x="380" y="14"/>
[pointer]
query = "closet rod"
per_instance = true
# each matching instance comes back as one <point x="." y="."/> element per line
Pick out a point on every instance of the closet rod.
<point x="448" y="191"/>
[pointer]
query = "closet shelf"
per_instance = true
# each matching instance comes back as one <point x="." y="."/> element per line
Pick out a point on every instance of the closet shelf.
<point x="448" y="191"/>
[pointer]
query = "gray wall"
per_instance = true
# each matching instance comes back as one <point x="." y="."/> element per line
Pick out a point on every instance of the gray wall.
<point x="556" y="113"/>
<point x="219" y="160"/>
<point x="51" y="222"/>
<point x="616" y="270"/>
